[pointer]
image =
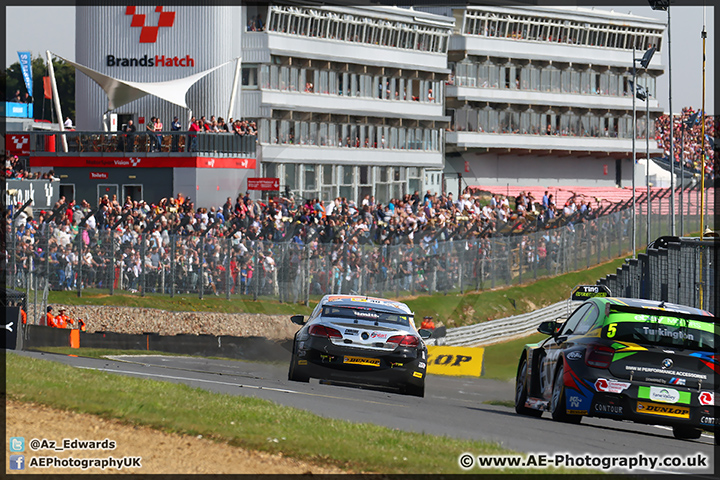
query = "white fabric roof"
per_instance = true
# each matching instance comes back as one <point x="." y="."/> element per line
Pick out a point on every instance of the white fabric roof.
<point x="121" y="92"/>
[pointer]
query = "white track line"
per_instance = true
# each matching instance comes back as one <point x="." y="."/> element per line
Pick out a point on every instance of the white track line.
<point x="170" y="377"/>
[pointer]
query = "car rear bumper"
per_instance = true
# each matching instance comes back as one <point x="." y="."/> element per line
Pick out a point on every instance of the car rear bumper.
<point x="319" y="358"/>
<point x="625" y="407"/>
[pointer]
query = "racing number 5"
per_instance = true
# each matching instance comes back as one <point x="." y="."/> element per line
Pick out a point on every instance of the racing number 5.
<point x="611" y="330"/>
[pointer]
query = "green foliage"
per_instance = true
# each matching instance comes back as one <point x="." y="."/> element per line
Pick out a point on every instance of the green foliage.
<point x="453" y="310"/>
<point x="456" y="310"/>
<point x="64" y="76"/>
<point x="500" y="361"/>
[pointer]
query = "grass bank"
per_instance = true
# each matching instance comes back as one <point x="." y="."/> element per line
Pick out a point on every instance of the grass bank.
<point x="240" y="421"/>
<point x="451" y="309"/>
<point x="500" y="361"/>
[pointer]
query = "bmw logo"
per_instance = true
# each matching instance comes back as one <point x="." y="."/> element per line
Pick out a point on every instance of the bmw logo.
<point x="667" y="363"/>
<point x="365" y="336"/>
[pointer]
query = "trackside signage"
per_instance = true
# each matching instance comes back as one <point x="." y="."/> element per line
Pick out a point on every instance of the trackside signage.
<point x="460" y="361"/>
<point x="267" y="183"/>
<point x="583" y="292"/>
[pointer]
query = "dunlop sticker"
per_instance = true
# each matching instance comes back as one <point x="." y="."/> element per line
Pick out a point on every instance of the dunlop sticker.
<point x="375" y="362"/>
<point x="663" y="410"/>
<point x="444" y="360"/>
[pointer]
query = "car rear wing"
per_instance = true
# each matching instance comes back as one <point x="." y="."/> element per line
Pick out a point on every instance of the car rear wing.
<point x="661" y="313"/>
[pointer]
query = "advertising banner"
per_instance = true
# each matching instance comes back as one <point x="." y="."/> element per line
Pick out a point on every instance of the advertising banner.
<point x="460" y="361"/>
<point x="26" y="67"/>
<point x="142" y="162"/>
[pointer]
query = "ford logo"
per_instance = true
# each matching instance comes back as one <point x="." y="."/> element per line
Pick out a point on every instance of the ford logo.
<point x="364" y="335"/>
<point x="667" y="363"/>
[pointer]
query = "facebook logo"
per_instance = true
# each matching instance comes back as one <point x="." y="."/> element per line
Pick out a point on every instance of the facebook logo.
<point x="17" y="462"/>
<point x="17" y="444"/>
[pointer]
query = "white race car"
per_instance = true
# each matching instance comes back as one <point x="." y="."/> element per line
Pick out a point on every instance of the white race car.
<point x="361" y="340"/>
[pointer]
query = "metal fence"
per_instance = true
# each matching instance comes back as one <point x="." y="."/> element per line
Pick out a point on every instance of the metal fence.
<point x="683" y="272"/>
<point x="157" y="144"/>
<point x="163" y="264"/>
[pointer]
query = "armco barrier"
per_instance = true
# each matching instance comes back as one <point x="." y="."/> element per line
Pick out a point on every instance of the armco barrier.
<point x="498" y="330"/>
<point x="241" y="348"/>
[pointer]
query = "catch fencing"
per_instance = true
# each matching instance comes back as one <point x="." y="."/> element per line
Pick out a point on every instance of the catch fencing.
<point x="682" y="271"/>
<point x="57" y="258"/>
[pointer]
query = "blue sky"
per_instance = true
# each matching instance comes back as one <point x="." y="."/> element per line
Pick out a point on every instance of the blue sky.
<point x="55" y="30"/>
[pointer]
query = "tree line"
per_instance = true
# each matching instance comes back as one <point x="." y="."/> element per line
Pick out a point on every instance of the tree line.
<point x="43" y="108"/>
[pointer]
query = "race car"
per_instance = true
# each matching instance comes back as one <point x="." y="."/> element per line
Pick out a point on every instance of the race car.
<point x="624" y="359"/>
<point x="360" y="340"/>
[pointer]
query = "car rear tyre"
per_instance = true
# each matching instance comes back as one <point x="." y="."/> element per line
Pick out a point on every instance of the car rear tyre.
<point x="557" y="402"/>
<point x="521" y="393"/>
<point x="294" y="375"/>
<point x="415" y="390"/>
<point x="686" y="433"/>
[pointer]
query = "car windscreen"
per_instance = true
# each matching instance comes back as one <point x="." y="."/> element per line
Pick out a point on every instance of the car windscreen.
<point x="364" y="313"/>
<point x="665" y="331"/>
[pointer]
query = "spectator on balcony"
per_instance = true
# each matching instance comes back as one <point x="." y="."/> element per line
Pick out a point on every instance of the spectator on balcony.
<point x="129" y="137"/>
<point x="175" y="126"/>
<point x="194" y="128"/>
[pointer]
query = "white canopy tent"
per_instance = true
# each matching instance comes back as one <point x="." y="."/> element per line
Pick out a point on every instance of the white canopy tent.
<point x="122" y="92"/>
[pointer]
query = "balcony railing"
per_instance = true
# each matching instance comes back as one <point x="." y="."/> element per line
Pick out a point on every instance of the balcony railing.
<point x="155" y="144"/>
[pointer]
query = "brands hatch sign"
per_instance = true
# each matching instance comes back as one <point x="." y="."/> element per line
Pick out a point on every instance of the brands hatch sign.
<point x="149" y="34"/>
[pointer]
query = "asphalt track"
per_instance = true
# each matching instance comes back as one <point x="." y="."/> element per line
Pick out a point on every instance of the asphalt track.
<point x="456" y="407"/>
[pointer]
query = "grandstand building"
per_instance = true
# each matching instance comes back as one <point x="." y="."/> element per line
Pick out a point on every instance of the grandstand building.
<point x="350" y="99"/>
<point x="541" y="95"/>
<point x="382" y="101"/>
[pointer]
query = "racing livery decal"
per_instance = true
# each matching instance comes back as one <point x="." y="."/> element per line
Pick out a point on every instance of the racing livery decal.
<point x="663" y="410"/>
<point x="706" y="398"/>
<point x="664" y="395"/>
<point x="612" y="386"/>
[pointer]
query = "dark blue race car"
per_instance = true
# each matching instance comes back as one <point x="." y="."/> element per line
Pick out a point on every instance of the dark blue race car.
<point x="625" y="359"/>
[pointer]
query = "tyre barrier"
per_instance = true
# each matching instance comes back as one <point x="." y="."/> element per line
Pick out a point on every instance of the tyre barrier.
<point x="240" y="348"/>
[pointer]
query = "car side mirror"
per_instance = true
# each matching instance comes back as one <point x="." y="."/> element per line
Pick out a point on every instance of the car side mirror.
<point x="298" y="319"/>
<point x="548" y="328"/>
<point x="425" y="333"/>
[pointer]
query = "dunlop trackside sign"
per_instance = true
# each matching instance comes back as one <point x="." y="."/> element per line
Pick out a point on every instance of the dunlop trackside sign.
<point x="455" y="360"/>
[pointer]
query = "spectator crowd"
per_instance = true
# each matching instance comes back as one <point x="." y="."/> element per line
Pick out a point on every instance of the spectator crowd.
<point x="263" y="243"/>
<point x="689" y="126"/>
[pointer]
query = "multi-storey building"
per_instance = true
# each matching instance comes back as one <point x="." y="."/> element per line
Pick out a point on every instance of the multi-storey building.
<point x="350" y="100"/>
<point x="382" y="101"/>
<point x="542" y="95"/>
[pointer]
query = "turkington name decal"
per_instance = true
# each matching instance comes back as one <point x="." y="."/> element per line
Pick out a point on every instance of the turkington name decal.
<point x="146" y="61"/>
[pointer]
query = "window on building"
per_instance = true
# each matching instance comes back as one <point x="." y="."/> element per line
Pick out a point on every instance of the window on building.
<point x="249" y="77"/>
